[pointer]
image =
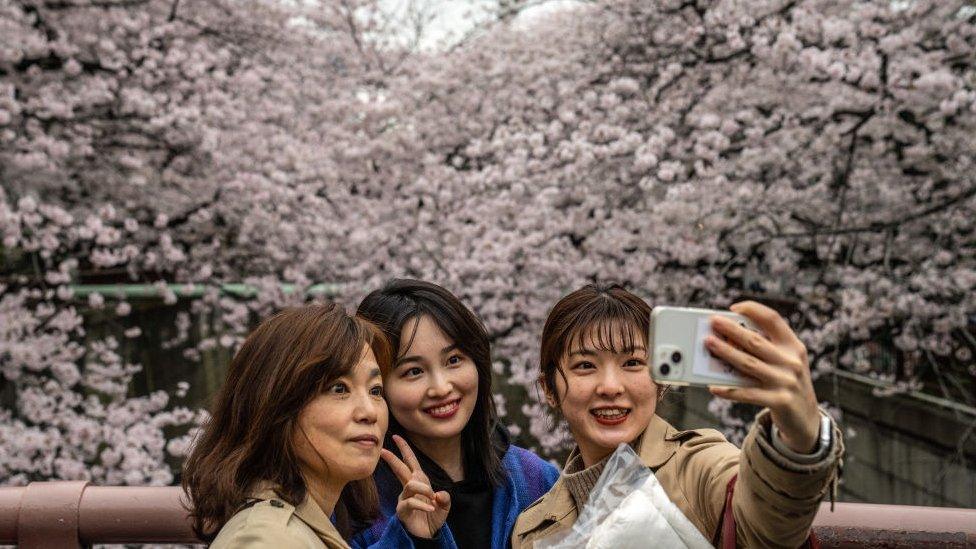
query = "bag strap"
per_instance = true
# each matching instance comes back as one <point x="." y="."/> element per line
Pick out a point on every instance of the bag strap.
<point x="726" y="530"/>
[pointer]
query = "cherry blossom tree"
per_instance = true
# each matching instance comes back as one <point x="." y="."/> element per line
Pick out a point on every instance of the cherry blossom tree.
<point x="157" y="141"/>
<point x="819" y="152"/>
<point x="815" y="151"/>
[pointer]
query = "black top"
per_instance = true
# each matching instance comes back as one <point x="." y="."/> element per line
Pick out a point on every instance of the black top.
<point x="471" y="499"/>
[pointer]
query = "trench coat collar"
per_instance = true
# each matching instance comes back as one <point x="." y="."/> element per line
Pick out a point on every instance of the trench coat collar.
<point x="656" y="445"/>
<point x="308" y="511"/>
<point x="659" y="442"/>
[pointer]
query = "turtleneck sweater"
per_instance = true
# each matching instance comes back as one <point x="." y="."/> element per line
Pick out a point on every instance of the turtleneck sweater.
<point x="580" y="480"/>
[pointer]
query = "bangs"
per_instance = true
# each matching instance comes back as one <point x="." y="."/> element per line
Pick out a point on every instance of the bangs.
<point x="613" y="335"/>
<point x="380" y="345"/>
<point x="608" y="325"/>
<point x="344" y="350"/>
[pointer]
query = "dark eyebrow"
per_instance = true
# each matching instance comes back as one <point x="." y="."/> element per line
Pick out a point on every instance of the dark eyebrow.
<point x="406" y="359"/>
<point x="416" y="358"/>
<point x="449" y="348"/>
<point x="375" y="372"/>
<point x="591" y="352"/>
<point x="583" y="352"/>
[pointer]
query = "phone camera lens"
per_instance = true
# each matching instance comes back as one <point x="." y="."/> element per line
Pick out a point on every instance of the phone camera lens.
<point x="676" y="357"/>
<point x="665" y="369"/>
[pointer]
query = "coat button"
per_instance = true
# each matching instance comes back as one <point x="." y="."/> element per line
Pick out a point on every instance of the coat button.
<point x="276" y="503"/>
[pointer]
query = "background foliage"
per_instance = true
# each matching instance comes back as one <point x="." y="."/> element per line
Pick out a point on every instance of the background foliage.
<point x="816" y="151"/>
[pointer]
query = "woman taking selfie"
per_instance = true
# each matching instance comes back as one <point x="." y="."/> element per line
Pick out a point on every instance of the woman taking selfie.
<point x="594" y="372"/>
<point x="295" y="434"/>
<point x="440" y="399"/>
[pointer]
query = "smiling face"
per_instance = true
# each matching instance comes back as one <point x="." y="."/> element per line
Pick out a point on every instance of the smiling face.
<point x="340" y="432"/>
<point x="605" y="393"/>
<point x="433" y="387"/>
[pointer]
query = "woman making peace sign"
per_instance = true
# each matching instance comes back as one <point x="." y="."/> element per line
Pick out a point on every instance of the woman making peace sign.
<point x="295" y="433"/>
<point x="440" y="399"/>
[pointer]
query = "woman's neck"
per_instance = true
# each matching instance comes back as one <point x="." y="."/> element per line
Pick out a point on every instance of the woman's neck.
<point x="592" y="456"/>
<point x="324" y="493"/>
<point x="445" y="452"/>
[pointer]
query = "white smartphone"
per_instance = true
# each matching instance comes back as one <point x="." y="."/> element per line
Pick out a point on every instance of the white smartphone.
<point x="678" y="354"/>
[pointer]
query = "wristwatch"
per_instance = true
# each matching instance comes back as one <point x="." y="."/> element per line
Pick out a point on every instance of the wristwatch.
<point x="820" y="451"/>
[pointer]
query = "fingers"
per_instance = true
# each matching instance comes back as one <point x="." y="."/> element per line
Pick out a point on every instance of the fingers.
<point x="443" y="500"/>
<point x="408" y="456"/>
<point x="749" y="395"/>
<point x="744" y="362"/>
<point x="417" y="488"/>
<point x="748" y="340"/>
<point x="399" y="468"/>
<point x="769" y="321"/>
<point x="414" y="504"/>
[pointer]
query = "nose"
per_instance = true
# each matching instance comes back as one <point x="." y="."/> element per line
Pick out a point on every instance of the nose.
<point x="610" y="384"/>
<point x="439" y="384"/>
<point x="366" y="409"/>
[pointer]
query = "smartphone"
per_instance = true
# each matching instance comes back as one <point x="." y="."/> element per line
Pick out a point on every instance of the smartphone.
<point x="678" y="354"/>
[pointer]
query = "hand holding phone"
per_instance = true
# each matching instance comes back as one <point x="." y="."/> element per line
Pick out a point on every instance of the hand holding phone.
<point x="761" y="361"/>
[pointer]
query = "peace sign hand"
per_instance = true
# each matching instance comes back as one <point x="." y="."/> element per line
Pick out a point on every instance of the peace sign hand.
<point x="421" y="511"/>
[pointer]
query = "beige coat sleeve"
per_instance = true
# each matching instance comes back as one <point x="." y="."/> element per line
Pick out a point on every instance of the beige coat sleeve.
<point x="775" y="500"/>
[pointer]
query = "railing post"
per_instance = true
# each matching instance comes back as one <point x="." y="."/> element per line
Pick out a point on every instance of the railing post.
<point x="48" y="515"/>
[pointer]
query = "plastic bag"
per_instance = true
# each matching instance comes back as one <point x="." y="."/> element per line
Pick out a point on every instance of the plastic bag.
<point x="628" y="509"/>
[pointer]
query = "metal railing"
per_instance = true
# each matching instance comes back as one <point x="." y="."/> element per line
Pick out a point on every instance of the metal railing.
<point x="189" y="291"/>
<point x="71" y="514"/>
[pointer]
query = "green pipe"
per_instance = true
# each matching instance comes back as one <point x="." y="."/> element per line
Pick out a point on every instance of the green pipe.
<point x="151" y="291"/>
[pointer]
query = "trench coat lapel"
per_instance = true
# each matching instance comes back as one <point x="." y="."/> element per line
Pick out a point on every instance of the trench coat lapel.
<point x="309" y="512"/>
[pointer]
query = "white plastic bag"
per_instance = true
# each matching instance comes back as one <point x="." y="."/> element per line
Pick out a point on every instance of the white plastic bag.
<point x="628" y="509"/>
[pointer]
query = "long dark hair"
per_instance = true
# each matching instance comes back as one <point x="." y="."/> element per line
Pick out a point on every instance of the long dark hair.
<point x="281" y="366"/>
<point x="402" y="300"/>
<point x="617" y="319"/>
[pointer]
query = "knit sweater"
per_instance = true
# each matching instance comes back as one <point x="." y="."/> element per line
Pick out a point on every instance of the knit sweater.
<point x="579" y="480"/>
<point x="527" y="478"/>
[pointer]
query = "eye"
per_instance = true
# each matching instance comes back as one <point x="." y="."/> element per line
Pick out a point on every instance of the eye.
<point x="634" y="363"/>
<point x="454" y="360"/>
<point x="413" y="371"/>
<point x="377" y="391"/>
<point x="339" y="388"/>
<point x="583" y="365"/>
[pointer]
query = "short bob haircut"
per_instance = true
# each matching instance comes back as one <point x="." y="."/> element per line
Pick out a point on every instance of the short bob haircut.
<point x="616" y="320"/>
<point x="283" y="364"/>
<point x="402" y="300"/>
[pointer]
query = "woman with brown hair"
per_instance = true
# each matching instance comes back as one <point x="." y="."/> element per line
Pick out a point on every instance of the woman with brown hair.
<point x="595" y="375"/>
<point x="294" y="436"/>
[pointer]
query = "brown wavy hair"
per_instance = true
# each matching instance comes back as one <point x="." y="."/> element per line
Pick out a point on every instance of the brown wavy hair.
<point x="282" y="365"/>
<point x="598" y="310"/>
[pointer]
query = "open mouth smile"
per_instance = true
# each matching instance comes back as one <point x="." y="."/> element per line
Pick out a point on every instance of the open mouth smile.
<point x="610" y="415"/>
<point x="444" y="410"/>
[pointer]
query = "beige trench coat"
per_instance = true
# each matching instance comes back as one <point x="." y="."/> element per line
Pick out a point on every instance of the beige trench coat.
<point x="274" y="524"/>
<point x="774" y="502"/>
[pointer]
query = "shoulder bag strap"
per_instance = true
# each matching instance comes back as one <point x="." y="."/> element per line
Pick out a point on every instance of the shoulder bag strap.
<point x="726" y="529"/>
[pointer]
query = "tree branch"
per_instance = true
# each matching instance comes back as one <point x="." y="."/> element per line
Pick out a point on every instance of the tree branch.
<point x="883" y="226"/>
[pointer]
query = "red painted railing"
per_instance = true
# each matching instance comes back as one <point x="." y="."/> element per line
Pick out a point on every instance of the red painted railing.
<point x="66" y="514"/>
